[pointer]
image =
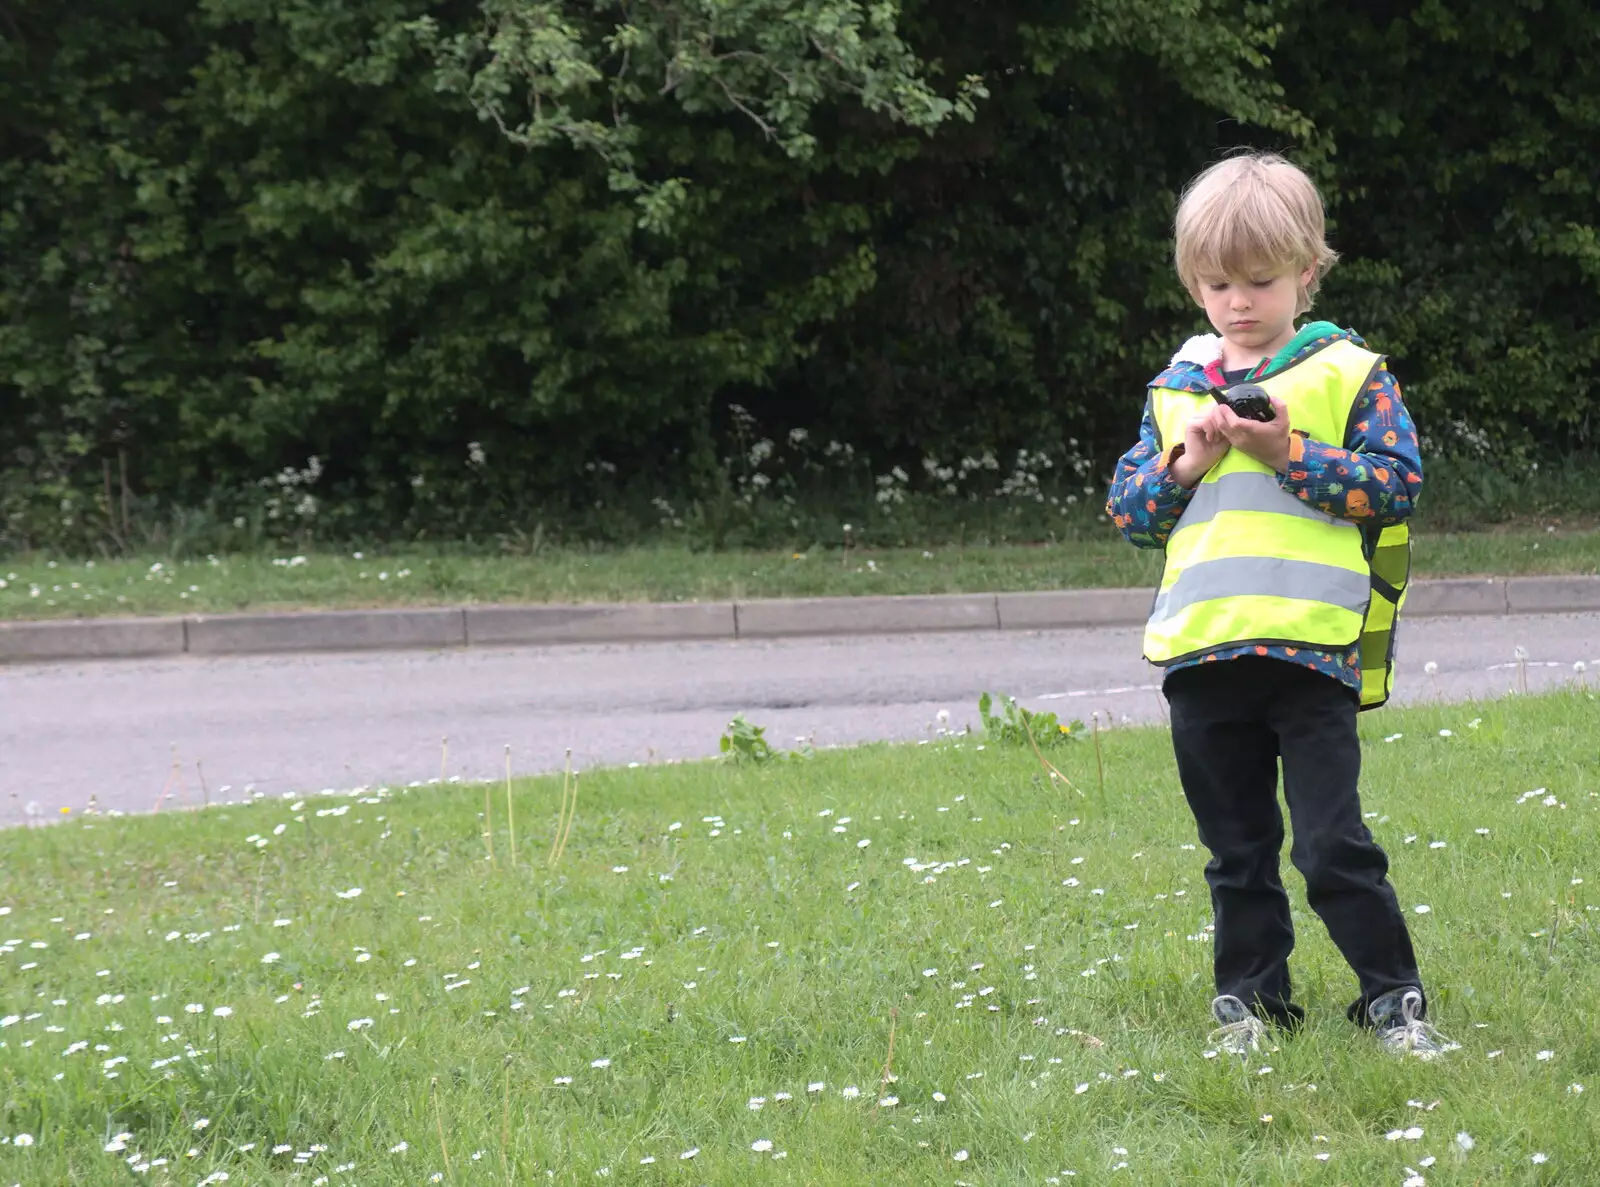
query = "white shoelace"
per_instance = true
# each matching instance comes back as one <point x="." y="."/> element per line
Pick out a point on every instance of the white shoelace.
<point x="1415" y="1036"/>
<point x="1238" y="1036"/>
<point x="1241" y="1035"/>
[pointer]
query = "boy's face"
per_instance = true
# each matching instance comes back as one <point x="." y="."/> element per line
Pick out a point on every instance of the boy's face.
<point x="1254" y="312"/>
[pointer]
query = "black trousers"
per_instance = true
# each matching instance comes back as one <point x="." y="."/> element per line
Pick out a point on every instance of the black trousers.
<point x="1231" y="723"/>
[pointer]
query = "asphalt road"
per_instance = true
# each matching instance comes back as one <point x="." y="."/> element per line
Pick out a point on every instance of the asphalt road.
<point x="307" y="722"/>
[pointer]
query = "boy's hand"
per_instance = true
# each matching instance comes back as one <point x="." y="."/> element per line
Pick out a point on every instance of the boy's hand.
<point x="1204" y="444"/>
<point x="1267" y="442"/>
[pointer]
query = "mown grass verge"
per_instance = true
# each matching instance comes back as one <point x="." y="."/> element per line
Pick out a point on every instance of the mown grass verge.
<point x="37" y="587"/>
<point x="896" y="965"/>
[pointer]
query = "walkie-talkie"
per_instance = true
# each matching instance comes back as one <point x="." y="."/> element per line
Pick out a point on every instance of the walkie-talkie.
<point x="1249" y="401"/>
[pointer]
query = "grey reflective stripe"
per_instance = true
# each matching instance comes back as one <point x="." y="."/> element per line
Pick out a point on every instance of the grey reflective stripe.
<point x="1249" y="490"/>
<point x="1264" y="576"/>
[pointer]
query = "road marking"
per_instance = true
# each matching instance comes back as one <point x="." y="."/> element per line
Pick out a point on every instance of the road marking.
<point x="1095" y="692"/>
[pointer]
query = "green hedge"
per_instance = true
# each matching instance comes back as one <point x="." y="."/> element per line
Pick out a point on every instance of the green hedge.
<point x="236" y="235"/>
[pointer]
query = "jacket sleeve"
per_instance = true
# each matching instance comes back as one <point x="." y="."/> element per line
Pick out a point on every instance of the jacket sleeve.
<point x="1375" y="476"/>
<point x="1144" y="502"/>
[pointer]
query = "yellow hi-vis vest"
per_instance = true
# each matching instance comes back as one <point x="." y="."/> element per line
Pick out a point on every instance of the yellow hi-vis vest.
<point x="1249" y="563"/>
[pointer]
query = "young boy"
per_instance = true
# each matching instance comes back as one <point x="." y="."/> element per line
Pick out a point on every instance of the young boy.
<point x="1280" y="585"/>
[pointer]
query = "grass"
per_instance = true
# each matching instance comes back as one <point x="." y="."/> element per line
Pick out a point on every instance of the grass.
<point x="898" y="965"/>
<point x="42" y="588"/>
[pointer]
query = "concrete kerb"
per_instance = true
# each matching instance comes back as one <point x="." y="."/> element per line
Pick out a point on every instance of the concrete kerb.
<point x="478" y="626"/>
<point x="770" y="618"/>
<point x="1552" y="595"/>
<point x="1080" y="607"/>
<point x="336" y="630"/>
<point x="1471" y="595"/>
<point x="95" y="638"/>
<point x="489" y="626"/>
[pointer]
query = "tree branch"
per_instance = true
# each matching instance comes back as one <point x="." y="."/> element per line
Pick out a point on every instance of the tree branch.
<point x="844" y="70"/>
<point x="766" y="128"/>
<point x="762" y="59"/>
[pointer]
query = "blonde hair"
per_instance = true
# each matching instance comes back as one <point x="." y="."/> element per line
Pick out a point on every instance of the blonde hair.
<point x="1247" y="211"/>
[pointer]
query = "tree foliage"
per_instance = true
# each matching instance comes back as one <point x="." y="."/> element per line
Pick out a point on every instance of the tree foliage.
<point x="488" y="261"/>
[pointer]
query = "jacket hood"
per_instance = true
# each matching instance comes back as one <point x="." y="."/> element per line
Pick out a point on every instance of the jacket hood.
<point x="1197" y="366"/>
